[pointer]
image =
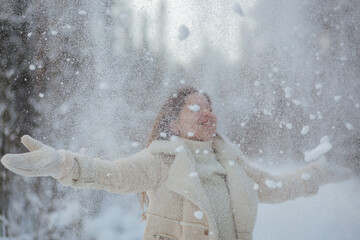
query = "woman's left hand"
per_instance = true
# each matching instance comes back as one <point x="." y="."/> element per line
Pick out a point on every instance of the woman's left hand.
<point x="331" y="172"/>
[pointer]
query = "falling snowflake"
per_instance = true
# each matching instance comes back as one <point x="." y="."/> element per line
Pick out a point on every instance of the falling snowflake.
<point x="183" y="32"/>
<point x="305" y="176"/>
<point x="179" y="149"/>
<point x="32" y="67"/>
<point x="337" y="98"/>
<point x="199" y="214"/>
<point x="190" y="134"/>
<point x="305" y="130"/>
<point x="194" y="108"/>
<point x="349" y="126"/>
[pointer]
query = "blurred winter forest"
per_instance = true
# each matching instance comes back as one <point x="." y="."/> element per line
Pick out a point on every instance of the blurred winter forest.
<point x="91" y="75"/>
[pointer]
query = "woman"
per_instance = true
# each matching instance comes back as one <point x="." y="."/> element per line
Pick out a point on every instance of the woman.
<point x="196" y="184"/>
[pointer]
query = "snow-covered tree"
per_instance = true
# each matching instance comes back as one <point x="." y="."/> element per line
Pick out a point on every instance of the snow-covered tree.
<point x="17" y="113"/>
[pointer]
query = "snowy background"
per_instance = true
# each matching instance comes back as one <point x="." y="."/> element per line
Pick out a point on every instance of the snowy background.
<point x="90" y="76"/>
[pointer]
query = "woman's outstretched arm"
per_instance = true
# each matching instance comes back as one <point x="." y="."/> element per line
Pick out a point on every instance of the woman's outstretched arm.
<point x="137" y="173"/>
<point x="302" y="182"/>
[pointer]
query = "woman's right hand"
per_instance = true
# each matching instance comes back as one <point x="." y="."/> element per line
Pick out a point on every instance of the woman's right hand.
<point x="42" y="160"/>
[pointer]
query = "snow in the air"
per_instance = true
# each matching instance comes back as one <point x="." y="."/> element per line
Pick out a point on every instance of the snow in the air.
<point x="94" y="75"/>
<point x="319" y="86"/>
<point x="103" y="85"/>
<point x="267" y="112"/>
<point x="199" y="214"/>
<point x="194" y="108"/>
<point x="287" y="91"/>
<point x="318" y="151"/>
<point x="349" y="126"/>
<point x="305" y="176"/>
<point x="179" y="148"/>
<point x="296" y="102"/>
<point x="312" y="116"/>
<point x="183" y="32"/>
<point x="82" y="12"/>
<point x="337" y="98"/>
<point x="344" y="58"/>
<point x="270" y="183"/>
<point x="173" y="138"/>
<point x="305" y="130"/>
<point x="237" y="8"/>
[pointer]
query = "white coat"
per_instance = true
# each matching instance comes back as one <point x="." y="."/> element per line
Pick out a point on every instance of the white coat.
<point x="163" y="171"/>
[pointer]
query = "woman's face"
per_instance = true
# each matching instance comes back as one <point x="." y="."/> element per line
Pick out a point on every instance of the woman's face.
<point x="196" y="120"/>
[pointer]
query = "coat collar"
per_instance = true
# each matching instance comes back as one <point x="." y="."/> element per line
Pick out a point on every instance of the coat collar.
<point x="183" y="169"/>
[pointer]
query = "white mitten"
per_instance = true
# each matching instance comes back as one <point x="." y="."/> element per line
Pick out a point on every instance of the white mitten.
<point x="42" y="160"/>
<point x="331" y="172"/>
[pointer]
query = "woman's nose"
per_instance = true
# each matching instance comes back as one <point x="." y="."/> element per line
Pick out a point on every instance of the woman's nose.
<point x="208" y="114"/>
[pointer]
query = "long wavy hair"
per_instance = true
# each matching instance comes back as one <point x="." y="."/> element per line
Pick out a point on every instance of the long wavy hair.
<point x="169" y="113"/>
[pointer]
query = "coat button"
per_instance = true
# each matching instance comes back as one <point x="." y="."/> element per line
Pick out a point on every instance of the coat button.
<point x="206" y="232"/>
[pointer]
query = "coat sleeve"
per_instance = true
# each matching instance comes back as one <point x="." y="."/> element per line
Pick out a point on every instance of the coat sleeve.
<point x="302" y="182"/>
<point x="140" y="172"/>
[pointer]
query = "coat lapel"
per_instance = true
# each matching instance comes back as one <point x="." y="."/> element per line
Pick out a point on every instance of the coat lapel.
<point x="183" y="178"/>
<point x="241" y="187"/>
